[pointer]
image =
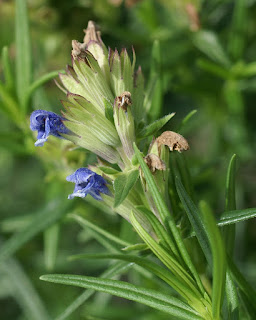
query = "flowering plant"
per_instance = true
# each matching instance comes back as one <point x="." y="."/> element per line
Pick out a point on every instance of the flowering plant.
<point x="141" y="176"/>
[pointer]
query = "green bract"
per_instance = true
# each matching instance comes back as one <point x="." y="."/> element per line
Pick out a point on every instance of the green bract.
<point x="96" y="83"/>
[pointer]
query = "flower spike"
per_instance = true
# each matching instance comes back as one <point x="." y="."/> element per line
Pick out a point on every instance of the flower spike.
<point x="47" y="123"/>
<point x="87" y="182"/>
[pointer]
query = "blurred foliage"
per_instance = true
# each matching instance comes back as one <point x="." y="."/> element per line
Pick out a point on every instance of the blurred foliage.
<point x="207" y="63"/>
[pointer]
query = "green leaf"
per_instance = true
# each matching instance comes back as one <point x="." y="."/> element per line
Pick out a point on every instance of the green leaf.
<point x="157" y="270"/>
<point x="208" y="42"/>
<point x="156" y="71"/>
<point x="123" y="184"/>
<point x="23" y="291"/>
<point x="195" y="220"/>
<point x="154" y="127"/>
<point x="186" y="120"/>
<point x="151" y="298"/>
<point x="9" y="105"/>
<point x="51" y="213"/>
<point x="243" y="284"/>
<point x="136" y="247"/>
<point x="159" y="230"/>
<point x="109" y="236"/>
<point x="8" y="76"/>
<point x="232" y="297"/>
<point x="187" y="287"/>
<point x="112" y="271"/>
<point x="229" y="238"/>
<point x="218" y="259"/>
<point x="23" y="52"/>
<point x="166" y="217"/>
<point x="237" y="32"/>
<point x="213" y="68"/>
<point x="40" y="82"/>
<point x="51" y="239"/>
<point x="230" y="203"/>
<point x="234" y="216"/>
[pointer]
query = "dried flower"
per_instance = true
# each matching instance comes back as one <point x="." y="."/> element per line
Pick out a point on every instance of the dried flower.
<point x="154" y="162"/>
<point x="173" y="140"/>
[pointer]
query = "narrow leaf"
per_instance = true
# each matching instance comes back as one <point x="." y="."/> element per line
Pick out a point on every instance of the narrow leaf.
<point x="237" y="33"/>
<point x="152" y="128"/>
<point x="151" y="298"/>
<point x="113" y="270"/>
<point x="208" y="43"/>
<point x="8" y="76"/>
<point x="157" y="270"/>
<point x="229" y="238"/>
<point x="232" y="297"/>
<point x="218" y="259"/>
<point x="40" y="82"/>
<point x="51" y="239"/>
<point x="186" y="120"/>
<point x="85" y="223"/>
<point x="230" y="217"/>
<point x="123" y="184"/>
<point x="51" y="213"/>
<point x="230" y="204"/>
<point x="23" y="52"/>
<point x="156" y="70"/>
<point x="195" y="220"/>
<point x="166" y="217"/>
<point x="24" y="291"/>
<point x="187" y="287"/>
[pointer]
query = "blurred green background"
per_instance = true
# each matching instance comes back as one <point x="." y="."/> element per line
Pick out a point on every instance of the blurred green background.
<point x="208" y="64"/>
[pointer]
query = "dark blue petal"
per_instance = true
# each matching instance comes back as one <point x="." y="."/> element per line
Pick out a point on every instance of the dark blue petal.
<point x="47" y="123"/>
<point x="87" y="182"/>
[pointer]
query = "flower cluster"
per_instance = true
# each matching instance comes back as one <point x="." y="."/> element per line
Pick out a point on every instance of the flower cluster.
<point x="104" y="113"/>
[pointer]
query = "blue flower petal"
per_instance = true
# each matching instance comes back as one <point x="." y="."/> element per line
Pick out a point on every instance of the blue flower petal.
<point x="47" y="123"/>
<point x="87" y="182"/>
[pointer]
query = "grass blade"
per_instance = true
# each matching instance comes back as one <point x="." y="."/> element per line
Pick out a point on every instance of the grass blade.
<point x="151" y="298"/>
<point x="23" y="52"/>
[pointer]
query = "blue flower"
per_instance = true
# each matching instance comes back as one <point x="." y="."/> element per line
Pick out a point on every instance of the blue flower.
<point x="47" y="123"/>
<point x="87" y="182"/>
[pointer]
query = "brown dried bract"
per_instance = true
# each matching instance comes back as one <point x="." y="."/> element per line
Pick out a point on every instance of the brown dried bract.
<point x="91" y="34"/>
<point x="78" y="50"/>
<point x="154" y="162"/>
<point x="173" y="140"/>
<point x="124" y="100"/>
